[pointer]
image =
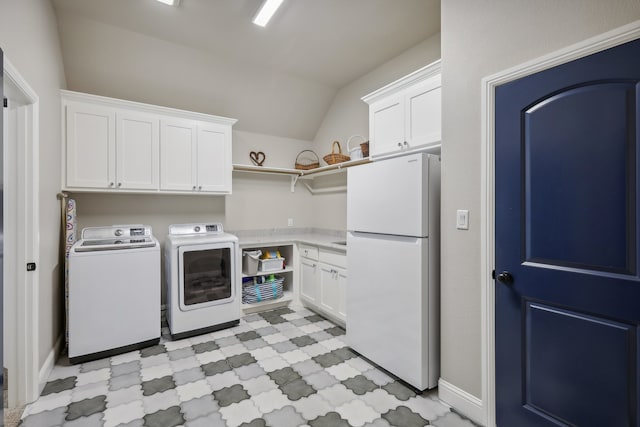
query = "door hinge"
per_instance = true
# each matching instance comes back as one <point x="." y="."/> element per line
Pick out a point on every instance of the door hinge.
<point x="31" y="266"/>
<point x="5" y="102"/>
<point x="493" y="275"/>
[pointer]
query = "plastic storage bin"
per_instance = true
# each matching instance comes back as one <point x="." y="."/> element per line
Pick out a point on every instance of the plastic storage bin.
<point x="272" y="264"/>
<point x="250" y="262"/>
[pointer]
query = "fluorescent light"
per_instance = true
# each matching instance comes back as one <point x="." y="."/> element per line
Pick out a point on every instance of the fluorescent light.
<point x="170" y="2"/>
<point x="265" y="13"/>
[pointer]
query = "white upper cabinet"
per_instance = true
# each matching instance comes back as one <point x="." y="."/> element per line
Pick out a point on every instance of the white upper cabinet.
<point x="113" y="145"/>
<point x="137" y="151"/>
<point x="178" y="156"/>
<point x="90" y="146"/>
<point x="214" y="163"/>
<point x="196" y="157"/>
<point x="405" y="116"/>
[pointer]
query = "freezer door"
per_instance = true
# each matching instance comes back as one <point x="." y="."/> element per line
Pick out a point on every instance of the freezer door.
<point x="390" y="196"/>
<point x="389" y="297"/>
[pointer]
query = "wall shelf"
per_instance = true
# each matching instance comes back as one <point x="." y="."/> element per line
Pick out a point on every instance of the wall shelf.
<point x="296" y="174"/>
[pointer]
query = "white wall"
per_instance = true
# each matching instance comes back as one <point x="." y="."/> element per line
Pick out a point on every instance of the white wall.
<point x="349" y="115"/>
<point x="111" y="61"/>
<point x="29" y="39"/>
<point x="480" y="39"/>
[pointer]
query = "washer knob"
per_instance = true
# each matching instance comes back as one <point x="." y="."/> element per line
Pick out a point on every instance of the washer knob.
<point x="119" y="232"/>
<point x="196" y="228"/>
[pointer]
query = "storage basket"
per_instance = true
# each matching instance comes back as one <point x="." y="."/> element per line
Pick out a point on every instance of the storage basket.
<point x="250" y="261"/>
<point x="306" y="163"/>
<point x="272" y="264"/>
<point x="334" y="157"/>
<point x="356" y="153"/>
<point x="257" y="289"/>
<point x="365" y="148"/>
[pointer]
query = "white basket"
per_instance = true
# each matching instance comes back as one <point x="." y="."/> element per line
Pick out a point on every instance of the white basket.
<point x="272" y="264"/>
<point x="250" y="262"/>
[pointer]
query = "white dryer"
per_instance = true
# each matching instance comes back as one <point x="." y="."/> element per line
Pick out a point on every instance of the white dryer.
<point x="114" y="291"/>
<point x="202" y="279"/>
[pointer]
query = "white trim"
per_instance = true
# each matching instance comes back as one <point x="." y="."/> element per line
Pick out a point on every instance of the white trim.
<point x="26" y="217"/>
<point x="49" y="364"/>
<point x="409" y="80"/>
<point x="463" y="402"/>
<point x="487" y="233"/>
<point x="71" y="96"/>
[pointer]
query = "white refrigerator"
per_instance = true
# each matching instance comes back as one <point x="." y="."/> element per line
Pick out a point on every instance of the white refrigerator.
<point x="393" y="257"/>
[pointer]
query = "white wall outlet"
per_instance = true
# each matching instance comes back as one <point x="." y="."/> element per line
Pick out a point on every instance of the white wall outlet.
<point x="290" y="222"/>
<point x="462" y="219"/>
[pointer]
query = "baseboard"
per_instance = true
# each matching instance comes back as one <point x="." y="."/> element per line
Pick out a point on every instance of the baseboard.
<point x="48" y="364"/>
<point x="461" y="401"/>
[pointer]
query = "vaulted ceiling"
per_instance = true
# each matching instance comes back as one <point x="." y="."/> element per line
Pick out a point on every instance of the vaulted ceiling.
<point x="207" y="56"/>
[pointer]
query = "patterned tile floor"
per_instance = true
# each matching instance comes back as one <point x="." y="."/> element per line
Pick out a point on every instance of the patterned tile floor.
<point x="279" y="368"/>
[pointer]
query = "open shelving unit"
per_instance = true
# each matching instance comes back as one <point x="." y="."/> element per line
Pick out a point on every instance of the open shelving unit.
<point x="297" y="174"/>
<point x="286" y="251"/>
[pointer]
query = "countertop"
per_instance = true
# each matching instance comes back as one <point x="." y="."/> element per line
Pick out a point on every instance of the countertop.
<point x="312" y="236"/>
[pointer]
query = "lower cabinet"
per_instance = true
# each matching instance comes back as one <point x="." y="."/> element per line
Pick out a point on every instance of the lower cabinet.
<point x="333" y="290"/>
<point x="323" y="281"/>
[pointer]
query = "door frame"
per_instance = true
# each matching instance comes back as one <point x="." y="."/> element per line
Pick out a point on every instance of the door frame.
<point x="487" y="412"/>
<point x="22" y="186"/>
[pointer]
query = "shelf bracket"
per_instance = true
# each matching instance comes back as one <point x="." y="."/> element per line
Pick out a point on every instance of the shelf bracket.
<point x="294" y="180"/>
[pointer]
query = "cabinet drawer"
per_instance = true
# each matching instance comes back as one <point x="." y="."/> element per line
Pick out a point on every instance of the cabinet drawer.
<point x="310" y="252"/>
<point x="337" y="258"/>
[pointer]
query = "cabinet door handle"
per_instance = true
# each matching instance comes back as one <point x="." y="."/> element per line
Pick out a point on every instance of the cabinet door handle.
<point x="200" y="187"/>
<point x="119" y="184"/>
<point x="111" y="184"/>
<point x="406" y="144"/>
<point x="400" y="144"/>
<point x="194" y="187"/>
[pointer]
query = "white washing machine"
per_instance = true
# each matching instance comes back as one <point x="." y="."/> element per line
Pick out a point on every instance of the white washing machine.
<point x="114" y="292"/>
<point x="202" y="278"/>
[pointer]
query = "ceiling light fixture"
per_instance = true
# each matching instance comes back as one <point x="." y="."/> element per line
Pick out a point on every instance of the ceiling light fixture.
<point x="170" y="2"/>
<point x="265" y="13"/>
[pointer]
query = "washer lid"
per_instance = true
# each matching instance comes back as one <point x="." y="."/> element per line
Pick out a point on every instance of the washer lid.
<point x="195" y="229"/>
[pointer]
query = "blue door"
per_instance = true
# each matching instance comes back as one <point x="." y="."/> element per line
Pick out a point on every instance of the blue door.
<point x="568" y="243"/>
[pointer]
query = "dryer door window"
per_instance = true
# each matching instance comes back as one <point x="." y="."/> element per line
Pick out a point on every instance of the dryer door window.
<point x="206" y="276"/>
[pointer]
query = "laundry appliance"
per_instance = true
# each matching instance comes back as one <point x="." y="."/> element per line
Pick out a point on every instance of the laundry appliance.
<point x="114" y="291"/>
<point x="393" y="297"/>
<point x="202" y="279"/>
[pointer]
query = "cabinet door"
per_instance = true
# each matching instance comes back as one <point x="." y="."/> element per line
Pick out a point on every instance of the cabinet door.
<point x="386" y="126"/>
<point x="342" y="294"/>
<point x="90" y="149"/>
<point x="309" y="287"/>
<point x="214" y="158"/>
<point x="137" y="151"/>
<point x="424" y="114"/>
<point x="329" y="288"/>
<point x="177" y="155"/>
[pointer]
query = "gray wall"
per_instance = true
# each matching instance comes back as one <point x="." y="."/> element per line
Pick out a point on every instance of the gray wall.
<point x="29" y="38"/>
<point x="480" y="38"/>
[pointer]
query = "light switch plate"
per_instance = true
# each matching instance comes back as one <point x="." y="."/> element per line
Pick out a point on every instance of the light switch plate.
<point x="462" y="219"/>
<point x="290" y="222"/>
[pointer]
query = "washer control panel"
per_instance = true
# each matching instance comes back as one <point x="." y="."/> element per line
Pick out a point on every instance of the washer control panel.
<point x="182" y="229"/>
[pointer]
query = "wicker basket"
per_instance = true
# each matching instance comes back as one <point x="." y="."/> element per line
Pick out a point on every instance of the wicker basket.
<point x="307" y="163"/>
<point x="334" y="157"/>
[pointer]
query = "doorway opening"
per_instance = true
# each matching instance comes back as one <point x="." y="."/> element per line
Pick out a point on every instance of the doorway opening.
<point x="20" y="209"/>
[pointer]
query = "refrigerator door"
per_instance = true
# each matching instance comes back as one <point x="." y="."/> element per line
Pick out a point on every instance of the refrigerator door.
<point x="390" y="196"/>
<point x="392" y="306"/>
